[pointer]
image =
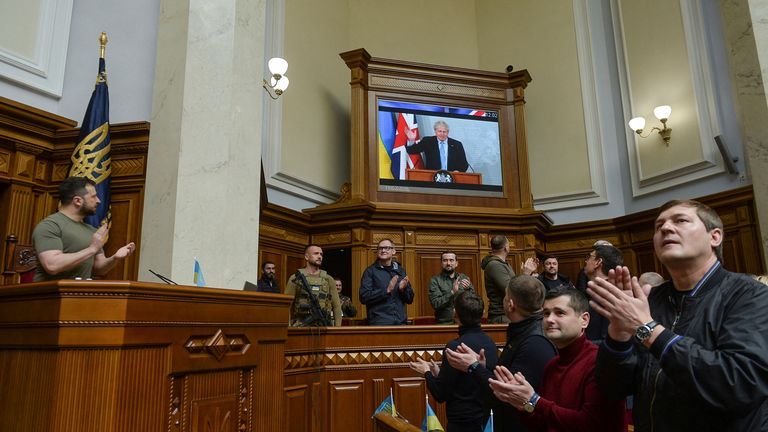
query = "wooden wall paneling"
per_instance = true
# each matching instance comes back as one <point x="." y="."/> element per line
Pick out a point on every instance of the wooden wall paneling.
<point x="646" y="261"/>
<point x="212" y="401"/>
<point x="265" y="408"/>
<point x="126" y="208"/>
<point x="293" y="263"/>
<point x="427" y="265"/>
<point x="24" y="405"/>
<point x="297" y="408"/>
<point x="20" y="217"/>
<point x="409" y="396"/>
<point x="346" y="406"/>
<point x="571" y="267"/>
<point x="319" y="407"/>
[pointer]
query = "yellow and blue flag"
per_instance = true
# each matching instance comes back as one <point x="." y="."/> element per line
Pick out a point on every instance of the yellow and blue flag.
<point x="92" y="157"/>
<point x="198" y="277"/>
<point x="388" y="406"/>
<point x="431" y="423"/>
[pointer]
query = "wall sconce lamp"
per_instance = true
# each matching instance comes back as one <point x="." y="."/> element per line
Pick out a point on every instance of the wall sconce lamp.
<point x="662" y="113"/>
<point x="278" y="82"/>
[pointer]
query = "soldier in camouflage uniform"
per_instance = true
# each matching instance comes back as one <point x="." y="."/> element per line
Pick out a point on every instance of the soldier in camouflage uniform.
<point x="322" y="285"/>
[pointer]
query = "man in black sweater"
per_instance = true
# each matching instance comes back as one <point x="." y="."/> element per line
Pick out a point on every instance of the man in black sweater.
<point x="465" y="408"/>
<point x="527" y="349"/>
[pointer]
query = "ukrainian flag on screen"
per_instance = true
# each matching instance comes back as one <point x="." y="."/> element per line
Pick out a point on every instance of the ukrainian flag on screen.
<point x="92" y="157"/>
<point x="387" y="129"/>
<point x="431" y="423"/>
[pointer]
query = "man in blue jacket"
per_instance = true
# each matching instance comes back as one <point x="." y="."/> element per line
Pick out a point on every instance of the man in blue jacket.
<point x="385" y="289"/>
<point x="694" y="352"/>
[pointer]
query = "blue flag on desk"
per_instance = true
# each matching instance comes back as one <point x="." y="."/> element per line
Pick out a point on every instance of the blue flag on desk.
<point x="431" y="423"/>
<point x="92" y="156"/>
<point x="197" y="277"/>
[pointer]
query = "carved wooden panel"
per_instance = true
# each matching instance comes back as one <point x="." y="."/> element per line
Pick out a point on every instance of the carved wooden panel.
<point x="5" y="161"/>
<point x="334" y="238"/>
<point x="41" y="170"/>
<point x="60" y="171"/>
<point x="215" y="415"/>
<point x="128" y="166"/>
<point x="446" y="240"/>
<point x="292" y="263"/>
<point x="25" y="165"/>
<point x="395" y="236"/>
<point x="126" y="227"/>
<point x="409" y="398"/>
<point x="72" y="381"/>
<point x="297" y="408"/>
<point x="346" y="406"/>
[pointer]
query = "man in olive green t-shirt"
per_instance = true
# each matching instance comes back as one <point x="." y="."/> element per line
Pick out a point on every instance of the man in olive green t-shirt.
<point x="67" y="247"/>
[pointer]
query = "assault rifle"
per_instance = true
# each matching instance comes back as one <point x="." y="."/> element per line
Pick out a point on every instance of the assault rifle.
<point x="317" y="316"/>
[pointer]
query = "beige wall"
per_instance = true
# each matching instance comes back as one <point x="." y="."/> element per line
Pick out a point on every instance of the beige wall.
<point x="486" y="34"/>
<point x="16" y="29"/>
<point x="316" y="122"/>
<point x="557" y="148"/>
<point x="657" y="63"/>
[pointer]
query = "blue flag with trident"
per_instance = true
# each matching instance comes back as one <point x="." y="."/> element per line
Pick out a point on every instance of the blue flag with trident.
<point x="92" y="156"/>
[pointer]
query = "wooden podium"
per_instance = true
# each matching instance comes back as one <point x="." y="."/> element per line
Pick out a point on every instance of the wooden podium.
<point x="429" y="176"/>
<point x="132" y="356"/>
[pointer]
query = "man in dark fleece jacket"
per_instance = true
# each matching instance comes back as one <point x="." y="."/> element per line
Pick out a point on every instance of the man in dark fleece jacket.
<point x="464" y="405"/>
<point x="497" y="276"/>
<point x="527" y="349"/>
<point x="694" y="352"/>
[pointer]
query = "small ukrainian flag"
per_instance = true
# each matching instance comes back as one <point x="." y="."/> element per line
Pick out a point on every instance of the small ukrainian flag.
<point x="431" y="423"/>
<point x="198" y="277"/>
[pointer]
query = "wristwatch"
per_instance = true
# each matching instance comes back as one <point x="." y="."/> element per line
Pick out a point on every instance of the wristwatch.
<point x="644" y="331"/>
<point x="472" y="367"/>
<point x="530" y="405"/>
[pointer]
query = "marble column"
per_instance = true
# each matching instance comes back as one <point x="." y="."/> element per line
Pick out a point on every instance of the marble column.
<point x="745" y="23"/>
<point x="203" y="174"/>
<point x="757" y="147"/>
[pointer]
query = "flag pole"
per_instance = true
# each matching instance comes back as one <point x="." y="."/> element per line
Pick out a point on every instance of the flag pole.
<point x="103" y="42"/>
<point x="426" y="408"/>
<point x="392" y="398"/>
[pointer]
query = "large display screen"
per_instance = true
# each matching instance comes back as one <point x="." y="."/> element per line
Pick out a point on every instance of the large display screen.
<point x="438" y="149"/>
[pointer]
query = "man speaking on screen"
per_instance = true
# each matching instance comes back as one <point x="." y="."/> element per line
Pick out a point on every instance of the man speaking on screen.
<point x="440" y="152"/>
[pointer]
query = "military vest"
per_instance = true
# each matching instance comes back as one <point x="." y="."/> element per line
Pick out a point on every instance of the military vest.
<point x="321" y="288"/>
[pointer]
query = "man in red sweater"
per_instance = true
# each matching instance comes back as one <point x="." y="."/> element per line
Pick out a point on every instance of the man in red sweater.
<point x="569" y="398"/>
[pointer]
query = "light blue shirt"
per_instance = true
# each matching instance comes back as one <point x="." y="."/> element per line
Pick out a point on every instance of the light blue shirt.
<point x="443" y="154"/>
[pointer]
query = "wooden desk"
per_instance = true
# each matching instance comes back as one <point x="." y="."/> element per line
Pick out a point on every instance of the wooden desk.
<point x="429" y="175"/>
<point x="132" y="356"/>
<point x="335" y="377"/>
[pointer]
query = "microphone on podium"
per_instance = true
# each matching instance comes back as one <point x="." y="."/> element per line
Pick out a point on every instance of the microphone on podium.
<point x="163" y="278"/>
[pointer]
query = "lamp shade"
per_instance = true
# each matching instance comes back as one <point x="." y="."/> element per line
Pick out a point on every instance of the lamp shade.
<point x="277" y="66"/>
<point x="637" y="123"/>
<point x="282" y="84"/>
<point x="662" y="112"/>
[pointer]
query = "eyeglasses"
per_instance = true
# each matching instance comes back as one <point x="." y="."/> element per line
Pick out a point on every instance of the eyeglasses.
<point x="381" y="248"/>
<point x="589" y="257"/>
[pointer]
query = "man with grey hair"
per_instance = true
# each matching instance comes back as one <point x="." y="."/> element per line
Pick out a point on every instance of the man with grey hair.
<point x="440" y="152"/>
<point x="693" y="351"/>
